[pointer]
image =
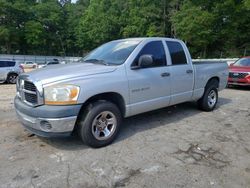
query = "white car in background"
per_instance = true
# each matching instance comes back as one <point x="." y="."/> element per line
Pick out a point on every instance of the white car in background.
<point x="29" y="64"/>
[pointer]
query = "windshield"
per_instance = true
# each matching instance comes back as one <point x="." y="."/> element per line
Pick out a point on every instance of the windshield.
<point x="114" y="53"/>
<point x="242" y="62"/>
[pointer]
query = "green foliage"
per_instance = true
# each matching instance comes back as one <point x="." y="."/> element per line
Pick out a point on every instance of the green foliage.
<point x="34" y="33"/>
<point x="99" y="23"/>
<point x="51" y="27"/>
<point x="143" y="18"/>
<point x="247" y="4"/>
<point x="194" y="26"/>
<point x="214" y="28"/>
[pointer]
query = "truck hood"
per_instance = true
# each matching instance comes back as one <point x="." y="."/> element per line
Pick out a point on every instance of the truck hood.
<point x="239" y="68"/>
<point x="54" y="73"/>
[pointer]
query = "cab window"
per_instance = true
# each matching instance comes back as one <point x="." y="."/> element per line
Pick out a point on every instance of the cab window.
<point x="156" y="49"/>
<point x="177" y="53"/>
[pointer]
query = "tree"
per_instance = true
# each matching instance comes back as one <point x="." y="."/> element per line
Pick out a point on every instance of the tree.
<point x="213" y="28"/>
<point x="59" y="27"/>
<point x="72" y="15"/>
<point x="13" y="16"/>
<point x="143" y="18"/>
<point x="35" y="34"/>
<point x="99" y="23"/>
<point x="195" y="26"/>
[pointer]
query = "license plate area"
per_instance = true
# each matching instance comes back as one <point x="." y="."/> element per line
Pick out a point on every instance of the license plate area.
<point x="235" y="79"/>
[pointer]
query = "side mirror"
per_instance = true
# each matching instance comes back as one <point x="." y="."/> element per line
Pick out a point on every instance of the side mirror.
<point x="145" y="61"/>
<point x="231" y="64"/>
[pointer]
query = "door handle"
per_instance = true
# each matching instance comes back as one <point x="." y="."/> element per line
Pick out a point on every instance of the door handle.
<point x="165" y="74"/>
<point x="189" y="71"/>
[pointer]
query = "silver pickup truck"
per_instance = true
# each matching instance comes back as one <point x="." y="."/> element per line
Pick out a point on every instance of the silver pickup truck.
<point x="119" y="79"/>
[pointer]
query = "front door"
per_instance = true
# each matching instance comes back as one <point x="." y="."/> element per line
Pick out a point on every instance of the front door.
<point x="149" y="88"/>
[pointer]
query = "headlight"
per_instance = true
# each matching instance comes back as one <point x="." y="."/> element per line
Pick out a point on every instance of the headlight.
<point x="61" y="94"/>
<point x="248" y="76"/>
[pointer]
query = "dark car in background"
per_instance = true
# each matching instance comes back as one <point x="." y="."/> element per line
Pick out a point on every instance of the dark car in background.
<point x="239" y="72"/>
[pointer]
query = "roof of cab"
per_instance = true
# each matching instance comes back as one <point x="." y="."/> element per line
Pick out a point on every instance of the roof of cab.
<point x="148" y="38"/>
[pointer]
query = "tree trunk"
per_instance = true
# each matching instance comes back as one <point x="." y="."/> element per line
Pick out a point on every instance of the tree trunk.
<point x="8" y="47"/>
<point x="205" y="52"/>
<point x="164" y="18"/>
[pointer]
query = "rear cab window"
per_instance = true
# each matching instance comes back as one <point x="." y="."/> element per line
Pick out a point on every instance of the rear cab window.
<point x="156" y="49"/>
<point x="177" y="53"/>
<point x="7" y="63"/>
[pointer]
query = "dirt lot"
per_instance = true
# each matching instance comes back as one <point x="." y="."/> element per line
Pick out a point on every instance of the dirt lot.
<point x="178" y="146"/>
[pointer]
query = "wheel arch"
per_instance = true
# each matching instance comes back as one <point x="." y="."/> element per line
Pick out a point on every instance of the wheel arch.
<point x="12" y="72"/>
<point x="113" y="97"/>
<point x="213" y="79"/>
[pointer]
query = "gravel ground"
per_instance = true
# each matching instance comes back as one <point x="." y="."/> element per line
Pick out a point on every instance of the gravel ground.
<point x="178" y="146"/>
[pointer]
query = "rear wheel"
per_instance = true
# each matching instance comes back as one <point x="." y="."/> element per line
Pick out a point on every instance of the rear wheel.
<point x="99" y="124"/>
<point x="210" y="97"/>
<point x="11" y="79"/>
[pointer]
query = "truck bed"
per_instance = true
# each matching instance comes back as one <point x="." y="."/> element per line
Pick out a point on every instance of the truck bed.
<point x="207" y="62"/>
<point x="204" y="70"/>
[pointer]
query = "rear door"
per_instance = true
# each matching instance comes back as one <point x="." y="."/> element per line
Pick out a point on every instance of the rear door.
<point x="182" y="74"/>
<point x="149" y="88"/>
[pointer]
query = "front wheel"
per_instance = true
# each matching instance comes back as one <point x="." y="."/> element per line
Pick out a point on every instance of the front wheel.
<point x="99" y="124"/>
<point x="209" y="99"/>
<point x="12" y="77"/>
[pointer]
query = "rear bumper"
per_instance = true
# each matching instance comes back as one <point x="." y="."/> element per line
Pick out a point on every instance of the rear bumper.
<point x="47" y="121"/>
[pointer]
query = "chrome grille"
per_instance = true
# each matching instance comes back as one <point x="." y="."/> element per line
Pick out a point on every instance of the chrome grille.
<point x="29" y="92"/>
<point x="237" y="74"/>
<point x="31" y="98"/>
<point x="29" y="86"/>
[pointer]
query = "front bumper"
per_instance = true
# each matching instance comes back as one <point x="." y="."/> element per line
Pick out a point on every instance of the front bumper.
<point x="47" y="121"/>
<point x="240" y="82"/>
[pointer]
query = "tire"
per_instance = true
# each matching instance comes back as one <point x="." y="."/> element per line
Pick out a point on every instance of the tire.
<point x="93" y="126"/>
<point x="11" y="79"/>
<point x="210" y="97"/>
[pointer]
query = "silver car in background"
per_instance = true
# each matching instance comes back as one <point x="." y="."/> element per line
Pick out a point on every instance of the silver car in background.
<point x="48" y="63"/>
<point x="9" y="71"/>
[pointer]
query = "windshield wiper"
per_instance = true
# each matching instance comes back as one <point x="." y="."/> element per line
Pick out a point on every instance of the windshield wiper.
<point x="98" y="61"/>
